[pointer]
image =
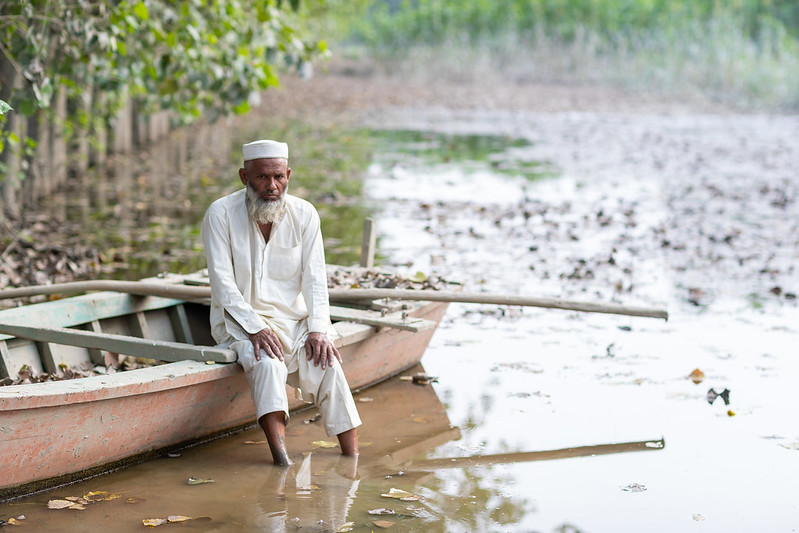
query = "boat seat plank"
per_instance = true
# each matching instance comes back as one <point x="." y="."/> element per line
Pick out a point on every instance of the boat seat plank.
<point x="136" y="347"/>
<point x="97" y="356"/>
<point x="83" y="309"/>
<point x="351" y="333"/>
<point x="373" y="318"/>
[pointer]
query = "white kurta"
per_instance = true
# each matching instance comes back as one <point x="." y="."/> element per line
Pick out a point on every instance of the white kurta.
<point x="280" y="284"/>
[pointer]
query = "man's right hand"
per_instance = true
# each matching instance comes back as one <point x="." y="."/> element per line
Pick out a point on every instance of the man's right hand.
<point x="266" y="340"/>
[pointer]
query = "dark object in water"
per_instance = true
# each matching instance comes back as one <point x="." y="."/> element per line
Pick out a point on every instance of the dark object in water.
<point x="712" y="395"/>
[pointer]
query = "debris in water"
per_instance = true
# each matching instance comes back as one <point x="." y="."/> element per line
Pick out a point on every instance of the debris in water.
<point x="383" y="511"/>
<point x="383" y="524"/>
<point x="634" y="487"/>
<point x="399" y="494"/>
<point x="323" y="444"/>
<point x="696" y="376"/>
<point x="198" y="481"/>
<point x="724" y="395"/>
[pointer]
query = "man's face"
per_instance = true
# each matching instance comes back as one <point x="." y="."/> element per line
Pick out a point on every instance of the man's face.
<point x="267" y="177"/>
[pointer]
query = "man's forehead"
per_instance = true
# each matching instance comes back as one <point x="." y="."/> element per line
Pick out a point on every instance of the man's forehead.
<point x="266" y="165"/>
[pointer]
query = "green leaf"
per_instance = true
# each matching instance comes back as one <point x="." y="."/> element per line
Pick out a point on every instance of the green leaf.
<point x="242" y="108"/>
<point x="140" y="10"/>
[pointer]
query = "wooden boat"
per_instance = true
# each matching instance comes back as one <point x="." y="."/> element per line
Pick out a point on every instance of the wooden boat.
<point x="58" y="431"/>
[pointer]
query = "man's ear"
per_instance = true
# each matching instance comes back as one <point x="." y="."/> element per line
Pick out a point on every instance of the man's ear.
<point x="243" y="176"/>
<point x="288" y="174"/>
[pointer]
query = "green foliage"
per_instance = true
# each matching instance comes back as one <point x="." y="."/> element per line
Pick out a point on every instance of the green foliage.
<point x="190" y="56"/>
<point x="746" y="48"/>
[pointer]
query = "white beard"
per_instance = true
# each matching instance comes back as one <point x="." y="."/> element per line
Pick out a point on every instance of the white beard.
<point x="263" y="211"/>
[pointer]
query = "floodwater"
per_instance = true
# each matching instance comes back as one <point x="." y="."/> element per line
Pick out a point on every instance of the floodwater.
<point x="546" y="420"/>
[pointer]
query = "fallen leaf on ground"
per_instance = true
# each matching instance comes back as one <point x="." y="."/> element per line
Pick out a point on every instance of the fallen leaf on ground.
<point x="399" y="494"/>
<point x="324" y="444"/>
<point x="384" y="524"/>
<point x="198" y="481"/>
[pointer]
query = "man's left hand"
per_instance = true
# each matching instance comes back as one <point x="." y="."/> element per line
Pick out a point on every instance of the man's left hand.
<point x="319" y="348"/>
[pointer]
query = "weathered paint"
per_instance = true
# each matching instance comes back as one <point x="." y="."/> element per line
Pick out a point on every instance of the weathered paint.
<point x="58" y="428"/>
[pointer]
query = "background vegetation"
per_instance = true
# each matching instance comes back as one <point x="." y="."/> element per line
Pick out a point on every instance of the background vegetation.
<point x="742" y="52"/>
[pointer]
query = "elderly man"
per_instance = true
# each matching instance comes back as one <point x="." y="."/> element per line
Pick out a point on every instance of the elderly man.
<point x="269" y="299"/>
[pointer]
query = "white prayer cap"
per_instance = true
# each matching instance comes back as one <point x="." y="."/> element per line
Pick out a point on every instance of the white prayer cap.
<point x="265" y="149"/>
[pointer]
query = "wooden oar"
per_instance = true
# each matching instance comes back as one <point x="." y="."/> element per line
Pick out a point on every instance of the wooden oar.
<point x="134" y="346"/>
<point x="497" y="299"/>
<point x="518" y="457"/>
<point x="187" y="292"/>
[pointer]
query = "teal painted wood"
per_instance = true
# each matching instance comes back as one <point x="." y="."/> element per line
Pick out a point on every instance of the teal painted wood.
<point x="134" y="346"/>
<point x="83" y="309"/>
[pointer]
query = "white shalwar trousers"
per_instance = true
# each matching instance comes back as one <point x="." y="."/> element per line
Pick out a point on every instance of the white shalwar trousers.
<point x="327" y="389"/>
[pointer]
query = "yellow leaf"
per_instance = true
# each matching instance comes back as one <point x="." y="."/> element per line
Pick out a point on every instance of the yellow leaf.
<point x="696" y="376"/>
<point x="59" y="504"/>
<point x="100" y="496"/>
<point x="324" y="444"/>
<point x="13" y="522"/>
<point x="399" y="494"/>
<point x="153" y="522"/>
<point x="385" y="524"/>
<point x="77" y="507"/>
<point x="420" y="420"/>
<point x="730" y="413"/>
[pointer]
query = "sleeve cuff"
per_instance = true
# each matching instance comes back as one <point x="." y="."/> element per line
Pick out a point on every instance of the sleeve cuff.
<point x="318" y="325"/>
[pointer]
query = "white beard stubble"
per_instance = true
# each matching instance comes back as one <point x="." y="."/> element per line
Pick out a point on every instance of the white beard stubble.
<point x="263" y="211"/>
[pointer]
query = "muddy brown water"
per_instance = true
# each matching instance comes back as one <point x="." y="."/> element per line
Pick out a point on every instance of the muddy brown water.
<point x="545" y="420"/>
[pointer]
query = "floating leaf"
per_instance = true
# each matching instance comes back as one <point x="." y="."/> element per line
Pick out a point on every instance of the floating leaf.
<point x="14" y="522"/>
<point x="384" y="524"/>
<point x="153" y="522"/>
<point x="382" y="511"/>
<point x="345" y="527"/>
<point x="324" y="444"/>
<point x="100" y="496"/>
<point x="59" y="504"/>
<point x="198" y="481"/>
<point x="696" y="376"/>
<point x="177" y="518"/>
<point x="399" y="494"/>
<point x="634" y="487"/>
